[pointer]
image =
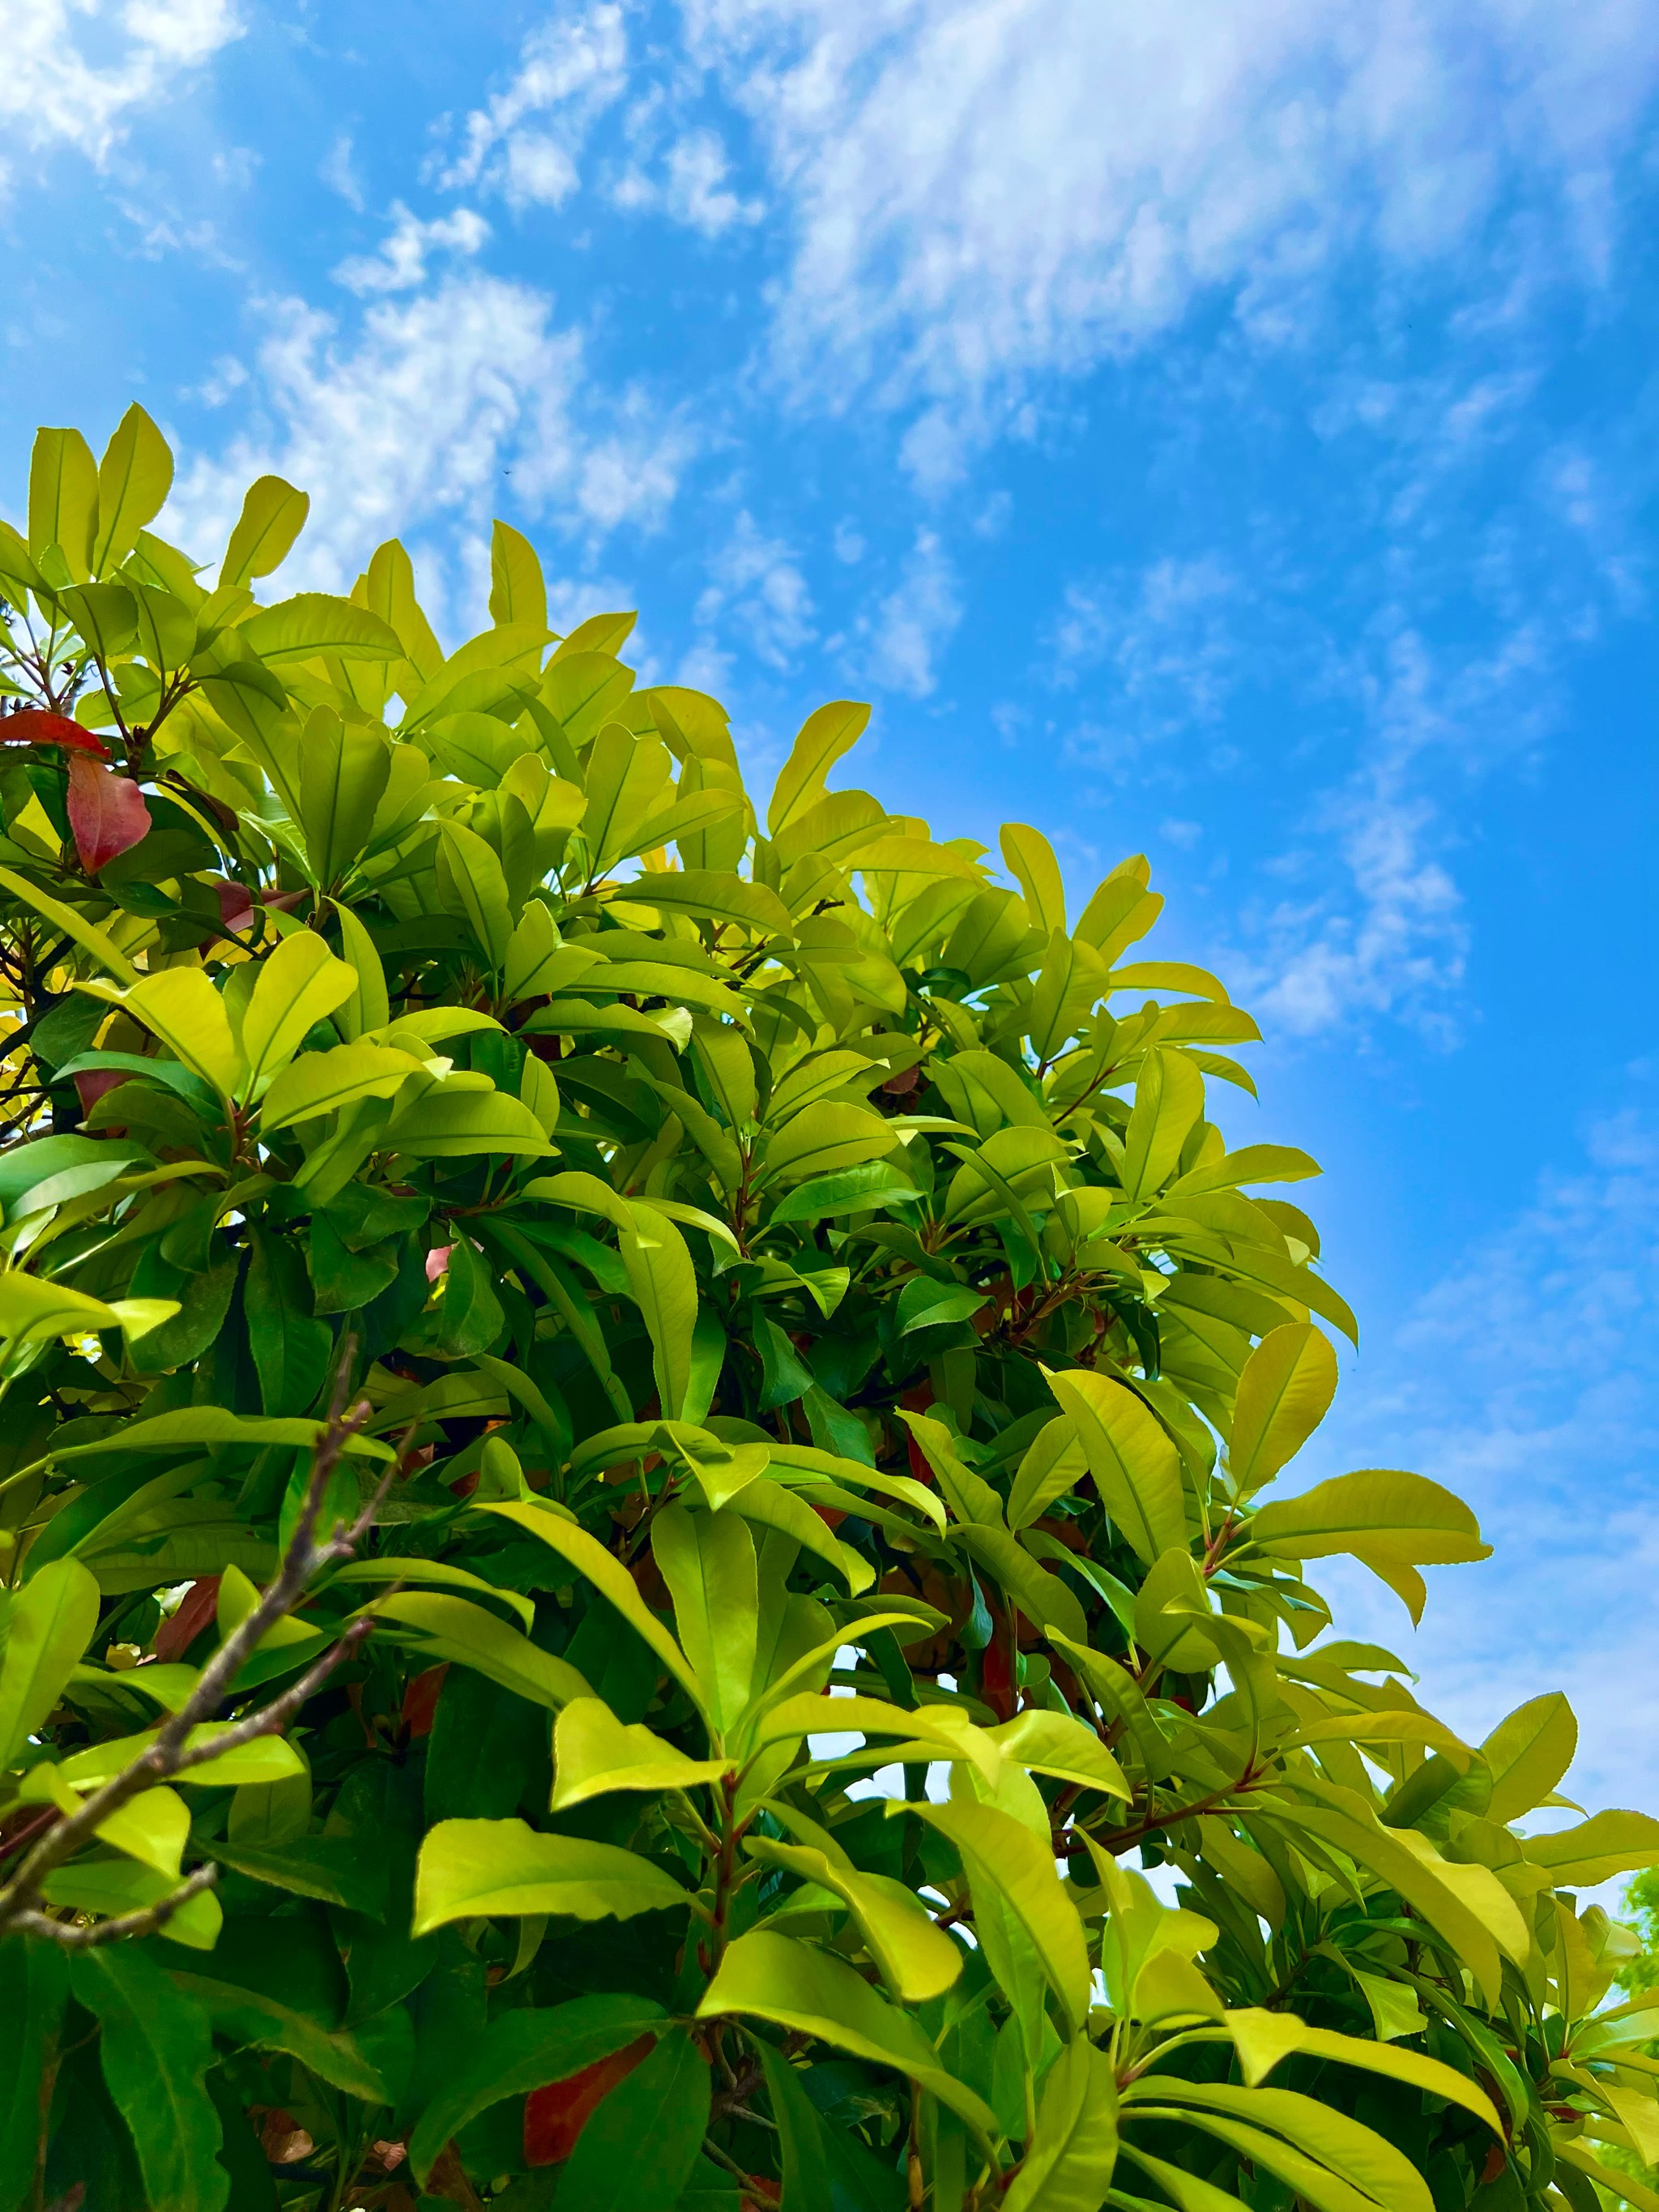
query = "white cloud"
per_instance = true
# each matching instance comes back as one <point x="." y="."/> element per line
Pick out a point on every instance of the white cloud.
<point x="1164" y="638"/>
<point x="454" y="403"/>
<point x="400" y="264"/>
<point x="756" y="585"/>
<point x="1524" y="1379"/>
<point x="914" y="623"/>
<point x="73" y="71"/>
<point x="987" y="189"/>
<point x="692" y="188"/>
<point x="1390" y="939"/>
<point x="526" y="143"/>
<point x="338" y="171"/>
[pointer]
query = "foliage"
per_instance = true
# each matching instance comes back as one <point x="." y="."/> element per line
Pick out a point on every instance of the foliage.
<point x="818" y="1334"/>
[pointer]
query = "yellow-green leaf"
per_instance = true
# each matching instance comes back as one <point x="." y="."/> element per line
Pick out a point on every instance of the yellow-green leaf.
<point x="595" y="1754"/>
<point x="472" y="1867"/>
<point x="1136" y="1468"/>
<point x="1283" y="1393"/>
<point x="827" y="733"/>
<point x="134" y="478"/>
<point x="273" y="515"/>
<point x="766" y="1976"/>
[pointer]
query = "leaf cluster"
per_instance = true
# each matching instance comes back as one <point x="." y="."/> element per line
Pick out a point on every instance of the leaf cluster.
<point x="830" y="1710"/>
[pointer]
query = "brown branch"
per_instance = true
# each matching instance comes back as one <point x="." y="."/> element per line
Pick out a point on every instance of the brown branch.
<point x="173" y="1752"/>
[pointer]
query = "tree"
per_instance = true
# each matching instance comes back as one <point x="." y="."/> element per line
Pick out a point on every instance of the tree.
<point x="759" y="1399"/>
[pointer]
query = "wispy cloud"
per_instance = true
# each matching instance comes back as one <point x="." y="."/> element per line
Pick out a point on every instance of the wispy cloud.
<point x="756" y="589"/>
<point x="460" y="399"/>
<point x="400" y="265"/>
<point x="1523" y="1378"/>
<point x="74" y="71"/>
<point x="692" y="186"/>
<point x="989" y="189"/>
<point x="914" y="624"/>
<point x="1151" y="655"/>
<point x="526" y="143"/>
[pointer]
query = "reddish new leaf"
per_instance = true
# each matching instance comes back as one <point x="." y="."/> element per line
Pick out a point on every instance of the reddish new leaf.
<point x="420" y="1707"/>
<point x="106" y="813"/>
<point x="96" y="1083"/>
<point x="235" y="905"/>
<point x="556" y="2116"/>
<point x="33" y="725"/>
<point x="195" y="1610"/>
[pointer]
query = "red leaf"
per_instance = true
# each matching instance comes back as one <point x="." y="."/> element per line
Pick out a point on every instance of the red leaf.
<point x="198" y="1605"/>
<point x="96" y="1083"/>
<point x="556" y="2116"/>
<point x="33" y="725"/>
<point x="106" y="813"/>
<point x="235" y="905"/>
<point x="421" y="1699"/>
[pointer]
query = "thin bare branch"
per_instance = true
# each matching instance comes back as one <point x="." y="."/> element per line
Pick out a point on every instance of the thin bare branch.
<point x="171" y="1751"/>
<point x="146" y="1922"/>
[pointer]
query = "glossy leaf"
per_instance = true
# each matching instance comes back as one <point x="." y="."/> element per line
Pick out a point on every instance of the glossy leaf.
<point x="472" y="1866"/>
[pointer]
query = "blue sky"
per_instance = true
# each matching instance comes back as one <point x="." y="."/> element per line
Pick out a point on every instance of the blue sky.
<point x="1226" y="433"/>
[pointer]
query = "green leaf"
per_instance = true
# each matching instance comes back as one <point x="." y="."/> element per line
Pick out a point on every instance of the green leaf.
<point x="321" y="1082"/>
<point x="638" y="2148"/>
<point x="917" y="1960"/>
<point x="825" y="2169"/>
<point x="311" y="624"/>
<point x="1005" y="1861"/>
<point x="1606" y="1844"/>
<point x="155" y="2048"/>
<point x="1068" y="2166"/>
<point x="75" y="926"/>
<point x="473" y="886"/>
<point x="449" y="1628"/>
<point x="344" y="770"/>
<point x="516" y="591"/>
<point x="661" y="1274"/>
<point x="1031" y="862"/>
<point x="825" y="735"/>
<point x="594" y="1754"/>
<point x="1044" y="1599"/>
<point x="335" y="1869"/>
<point x="1380" y="1514"/>
<point x="450" y="1124"/>
<point x="503" y="1867"/>
<point x="51" y="1623"/>
<point x="291" y="1349"/>
<point x="765" y="1976"/>
<point x="524" y="2049"/>
<point x="184" y="1010"/>
<point x="134" y="479"/>
<point x="1292" y="2036"/>
<point x="707" y="1561"/>
<point x="699" y="891"/>
<point x="33" y="1985"/>
<point x="1330" y="2159"/>
<point x="1135" y="1466"/>
<point x="1169" y="1100"/>
<point x="1284" y="1394"/>
<point x="1053" y="1464"/>
<point x="250" y="2017"/>
<point x="63" y="499"/>
<point x="298" y="984"/>
<point x="1528" y="1754"/>
<point x="612" y="1581"/>
<point x="273" y="515"/>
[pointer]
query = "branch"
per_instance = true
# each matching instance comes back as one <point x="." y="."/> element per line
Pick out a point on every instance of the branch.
<point x="171" y="1751"/>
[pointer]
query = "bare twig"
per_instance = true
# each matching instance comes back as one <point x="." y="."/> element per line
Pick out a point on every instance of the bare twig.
<point x="172" y="1750"/>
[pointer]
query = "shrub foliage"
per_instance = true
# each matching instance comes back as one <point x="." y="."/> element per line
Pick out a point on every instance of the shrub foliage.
<point x="826" y="1388"/>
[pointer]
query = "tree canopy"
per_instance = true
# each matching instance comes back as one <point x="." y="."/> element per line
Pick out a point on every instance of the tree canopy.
<point x="763" y="1406"/>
